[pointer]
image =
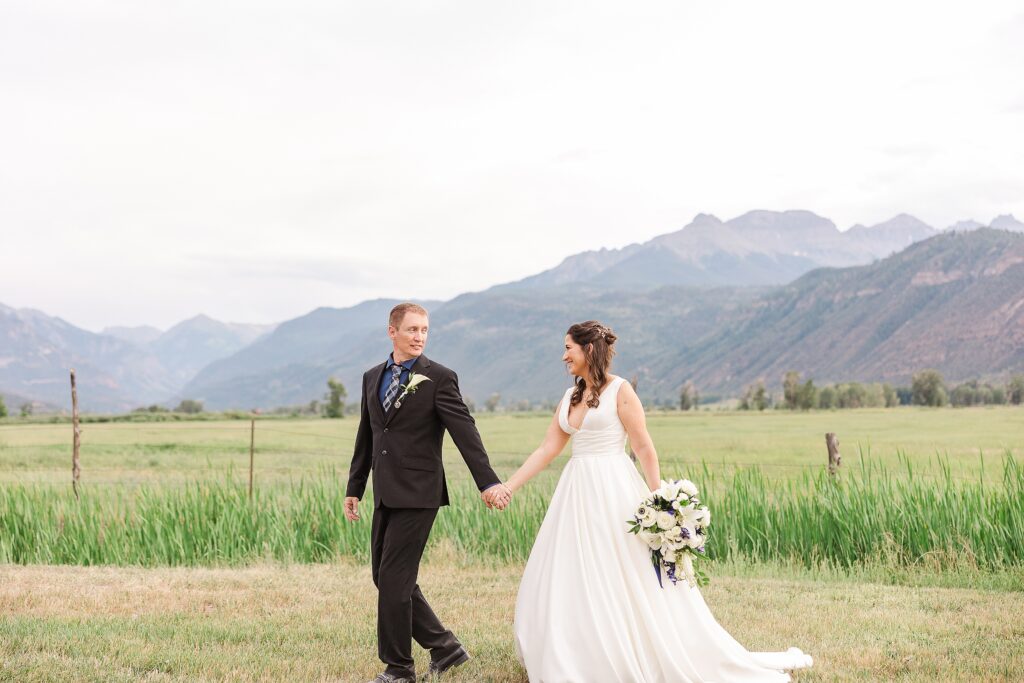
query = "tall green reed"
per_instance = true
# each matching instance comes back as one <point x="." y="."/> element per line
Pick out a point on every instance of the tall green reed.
<point x="871" y="514"/>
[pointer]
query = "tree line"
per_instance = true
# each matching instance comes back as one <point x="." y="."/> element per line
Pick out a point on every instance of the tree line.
<point x="927" y="388"/>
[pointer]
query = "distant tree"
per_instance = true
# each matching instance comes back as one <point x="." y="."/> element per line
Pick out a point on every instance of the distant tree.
<point x="827" y="398"/>
<point x="26" y="409"/>
<point x="335" y="398"/>
<point x="905" y="395"/>
<point x="470" y="404"/>
<point x="689" y="399"/>
<point x="807" y="395"/>
<point x="791" y="389"/>
<point x="314" y="407"/>
<point x="1015" y="390"/>
<point x="754" y="397"/>
<point x="524" y="406"/>
<point x="890" y="396"/>
<point x="928" y="388"/>
<point x="974" y="393"/>
<point x="962" y="395"/>
<point x="874" y="395"/>
<point x="851" y="395"/>
<point x="491" y="404"/>
<point x="189" y="406"/>
<point x="3" y="407"/>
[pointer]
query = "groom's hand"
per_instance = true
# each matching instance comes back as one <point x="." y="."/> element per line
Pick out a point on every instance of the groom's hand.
<point x="352" y="509"/>
<point x="497" y="496"/>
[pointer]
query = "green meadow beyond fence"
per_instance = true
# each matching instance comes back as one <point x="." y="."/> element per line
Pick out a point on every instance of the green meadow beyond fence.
<point x="873" y="512"/>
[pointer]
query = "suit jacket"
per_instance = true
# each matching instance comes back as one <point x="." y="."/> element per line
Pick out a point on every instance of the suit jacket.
<point x="403" y="448"/>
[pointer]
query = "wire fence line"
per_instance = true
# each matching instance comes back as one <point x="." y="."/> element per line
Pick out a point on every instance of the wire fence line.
<point x="344" y="446"/>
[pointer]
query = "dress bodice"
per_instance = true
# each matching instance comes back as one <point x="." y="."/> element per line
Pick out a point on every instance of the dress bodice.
<point x="601" y="433"/>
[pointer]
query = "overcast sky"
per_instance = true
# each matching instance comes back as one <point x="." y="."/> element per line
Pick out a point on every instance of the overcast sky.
<point x="255" y="160"/>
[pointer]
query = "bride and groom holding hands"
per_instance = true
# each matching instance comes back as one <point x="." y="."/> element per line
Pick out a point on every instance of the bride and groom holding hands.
<point x="589" y="608"/>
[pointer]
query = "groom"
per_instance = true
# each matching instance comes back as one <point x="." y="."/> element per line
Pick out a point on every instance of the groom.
<point x="407" y="404"/>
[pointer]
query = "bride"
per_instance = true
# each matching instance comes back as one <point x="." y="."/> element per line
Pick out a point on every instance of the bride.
<point x="590" y="609"/>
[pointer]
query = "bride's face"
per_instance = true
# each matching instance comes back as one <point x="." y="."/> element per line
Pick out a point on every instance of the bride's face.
<point x="575" y="361"/>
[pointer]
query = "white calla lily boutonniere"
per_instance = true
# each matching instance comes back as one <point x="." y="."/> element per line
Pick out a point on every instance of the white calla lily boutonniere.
<point x="410" y="387"/>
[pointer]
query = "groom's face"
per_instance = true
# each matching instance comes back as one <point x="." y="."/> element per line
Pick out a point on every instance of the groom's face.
<point x="409" y="337"/>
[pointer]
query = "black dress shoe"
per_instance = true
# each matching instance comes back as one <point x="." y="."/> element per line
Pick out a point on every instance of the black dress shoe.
<point x="453" y="660"/>
<point x="388" y="678"/>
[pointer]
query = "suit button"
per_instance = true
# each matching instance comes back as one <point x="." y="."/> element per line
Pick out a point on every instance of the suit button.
<point x="384" y="452"/>
<point x="385" y="430"/>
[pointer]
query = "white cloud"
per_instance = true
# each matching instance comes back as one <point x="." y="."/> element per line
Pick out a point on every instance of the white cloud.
<point x="302" y="140"/>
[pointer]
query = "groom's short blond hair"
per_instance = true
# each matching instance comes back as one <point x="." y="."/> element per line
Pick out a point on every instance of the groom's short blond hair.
<point x="398" y="313"/>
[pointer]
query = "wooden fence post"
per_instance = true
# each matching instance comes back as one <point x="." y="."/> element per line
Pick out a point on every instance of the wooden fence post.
<point x="252" y="451"/>
<point x="834" y="458"/>
<point x="76" y="470"/>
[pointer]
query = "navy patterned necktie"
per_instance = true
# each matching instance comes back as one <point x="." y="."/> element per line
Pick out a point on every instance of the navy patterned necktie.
<point x="389" y="395"/>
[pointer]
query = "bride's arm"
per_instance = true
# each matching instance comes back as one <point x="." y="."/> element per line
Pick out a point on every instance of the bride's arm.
<point x="553" y="443"/>
<point x="631" y="413"/>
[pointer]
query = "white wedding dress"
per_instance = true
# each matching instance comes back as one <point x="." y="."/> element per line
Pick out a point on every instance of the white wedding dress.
<point x="590" y="609"/>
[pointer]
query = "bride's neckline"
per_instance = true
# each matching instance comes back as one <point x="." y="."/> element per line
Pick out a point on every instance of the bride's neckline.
<point x="586" y="412"/>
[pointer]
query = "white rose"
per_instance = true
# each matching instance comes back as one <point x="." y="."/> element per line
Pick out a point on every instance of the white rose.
<point x="688" y="487"/>
<point x="665" y="520"/>
<point x="674" y="537"/>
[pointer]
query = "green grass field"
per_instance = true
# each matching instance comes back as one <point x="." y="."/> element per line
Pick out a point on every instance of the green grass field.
<point x="783" y="443"/>
<point x="940" y="611"/>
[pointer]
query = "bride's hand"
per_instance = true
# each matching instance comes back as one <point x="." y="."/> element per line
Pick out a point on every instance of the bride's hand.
<point x="497" y="496"/>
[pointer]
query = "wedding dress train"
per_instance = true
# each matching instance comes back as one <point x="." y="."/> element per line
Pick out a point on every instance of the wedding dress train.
<point x="590" y="609"/>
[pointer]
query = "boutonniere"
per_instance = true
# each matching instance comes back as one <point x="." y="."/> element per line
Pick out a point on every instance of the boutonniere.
<point x="411" y="386"/>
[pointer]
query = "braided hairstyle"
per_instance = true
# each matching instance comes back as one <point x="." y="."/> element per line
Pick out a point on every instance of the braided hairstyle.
<point x="598" y="343"/>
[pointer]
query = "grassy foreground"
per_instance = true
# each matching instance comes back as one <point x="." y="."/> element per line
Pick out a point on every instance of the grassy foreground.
<point x="316" y="623"/>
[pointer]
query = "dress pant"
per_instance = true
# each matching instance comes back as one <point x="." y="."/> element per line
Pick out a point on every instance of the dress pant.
<point x="398" y="539"/>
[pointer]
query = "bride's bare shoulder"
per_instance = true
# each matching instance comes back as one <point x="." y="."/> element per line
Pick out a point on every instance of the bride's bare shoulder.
<point x="625" y="391"/>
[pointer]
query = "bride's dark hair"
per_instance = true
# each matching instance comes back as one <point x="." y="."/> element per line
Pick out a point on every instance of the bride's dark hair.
<point x="598" y="343"/>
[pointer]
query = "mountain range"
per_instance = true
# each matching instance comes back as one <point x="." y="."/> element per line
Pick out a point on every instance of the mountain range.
<point x="719" y="303"/>
<point x="116" y="370"/>
<point x="757" y="248"/>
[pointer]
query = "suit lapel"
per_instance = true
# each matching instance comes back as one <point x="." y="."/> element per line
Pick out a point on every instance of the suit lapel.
<point x="373" y="392"/>
<point x="421" y="364"/>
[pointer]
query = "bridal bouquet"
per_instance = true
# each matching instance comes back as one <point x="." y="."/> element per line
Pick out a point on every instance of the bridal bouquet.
<point x="673" y="524"/>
